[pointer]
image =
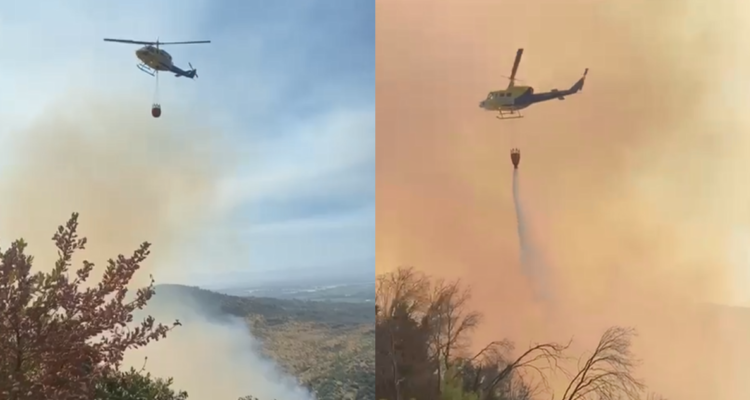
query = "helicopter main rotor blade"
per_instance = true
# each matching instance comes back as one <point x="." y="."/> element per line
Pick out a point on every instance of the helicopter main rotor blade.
<point x="519" y="53"/>
<point x="130" y="41"/>
<point x="193" y="42"/>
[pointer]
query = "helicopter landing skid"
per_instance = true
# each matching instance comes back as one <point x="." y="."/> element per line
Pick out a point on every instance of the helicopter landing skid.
<point x="145" y="69"/>
<point x="513" y="114"/>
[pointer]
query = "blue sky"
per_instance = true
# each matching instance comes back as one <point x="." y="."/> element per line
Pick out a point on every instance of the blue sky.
<point x="291" y="84"/>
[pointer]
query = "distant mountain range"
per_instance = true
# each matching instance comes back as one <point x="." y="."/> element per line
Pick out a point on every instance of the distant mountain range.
<point x="360" y="272"/>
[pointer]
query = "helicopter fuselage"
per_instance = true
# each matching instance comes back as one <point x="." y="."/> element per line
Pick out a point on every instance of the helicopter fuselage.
<point x="156" y="59"/>
<point x="511" y="98"/>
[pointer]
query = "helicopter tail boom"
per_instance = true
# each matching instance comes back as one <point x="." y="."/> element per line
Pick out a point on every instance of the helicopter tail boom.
<point x="192" y="73"/>
<point x="189" y="74"/>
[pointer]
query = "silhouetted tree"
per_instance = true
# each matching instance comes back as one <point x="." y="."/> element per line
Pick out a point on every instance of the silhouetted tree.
<point x="452" y="387"/>
<point x="423" y="334"/>
<point x="451" y="322"/>
<point x="59" y="340"/>
<point x="607" y="374"/>
<point x="499" y="375"/>
<point x="402" y="360"/>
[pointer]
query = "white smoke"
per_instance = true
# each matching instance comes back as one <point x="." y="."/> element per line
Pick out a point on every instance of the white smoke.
<point x="210" y="356"/>
<point x="134" y="179"/>
<point x="532" y="262"/>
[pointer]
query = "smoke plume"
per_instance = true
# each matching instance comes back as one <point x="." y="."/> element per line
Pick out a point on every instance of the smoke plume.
<point x="134" y="179"/>
<point x="638" y="184"/>
<point x="211" y="356"/>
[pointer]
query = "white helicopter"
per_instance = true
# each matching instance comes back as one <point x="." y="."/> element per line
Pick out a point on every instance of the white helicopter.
<point x="153" y="59"/>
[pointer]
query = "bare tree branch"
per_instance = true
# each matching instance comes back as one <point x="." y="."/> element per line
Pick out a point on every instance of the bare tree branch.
<point x="549" y="353"/>
<point x="608" y="373"/>
<point x="451" y="322"/>
<point x="405" y="286"/>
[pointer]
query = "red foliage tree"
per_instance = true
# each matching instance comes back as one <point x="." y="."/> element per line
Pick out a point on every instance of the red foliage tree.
<point x="58" y="337"/>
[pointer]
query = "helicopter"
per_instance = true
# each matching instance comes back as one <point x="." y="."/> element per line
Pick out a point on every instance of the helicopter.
<point x="509" y="102"/>
<point x="153" y="59"/>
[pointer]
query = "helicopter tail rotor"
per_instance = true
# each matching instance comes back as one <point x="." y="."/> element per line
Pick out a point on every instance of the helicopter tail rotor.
<point x="193" y="71"/>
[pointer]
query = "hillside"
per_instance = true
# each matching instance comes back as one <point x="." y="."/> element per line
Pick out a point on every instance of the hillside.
<point x="328" y="346"/>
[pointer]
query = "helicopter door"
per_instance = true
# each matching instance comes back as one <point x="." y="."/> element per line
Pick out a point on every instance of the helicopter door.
<point x="504" y="98"/>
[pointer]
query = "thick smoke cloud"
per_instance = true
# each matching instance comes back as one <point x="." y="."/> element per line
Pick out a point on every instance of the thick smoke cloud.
<point x="135" y="179"/>
<point x="131" y="178"/>
<point x="210" y="356"/>
<point x="635" y="189"/>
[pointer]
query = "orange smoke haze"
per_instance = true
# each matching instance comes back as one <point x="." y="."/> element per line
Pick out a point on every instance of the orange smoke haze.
<point x="636" y="187"/>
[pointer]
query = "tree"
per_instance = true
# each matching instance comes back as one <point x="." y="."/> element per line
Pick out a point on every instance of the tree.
<point x="423" y="333"/>
<point x="607" y="374"/>
<point x="501" y="376"/>
<point x="58" y="339"/>
<point x="451" y="322"/>
<point x="136" y="385"/>
<point x="452" y="387"/>
<point x="404" y="367"/>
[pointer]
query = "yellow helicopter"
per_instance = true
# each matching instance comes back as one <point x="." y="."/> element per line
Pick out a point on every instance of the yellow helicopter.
<point x="509" y="102"/>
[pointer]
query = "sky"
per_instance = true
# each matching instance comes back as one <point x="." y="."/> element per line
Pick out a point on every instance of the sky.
<point x="635" y="188"/>
<point x="270" y="153"/>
